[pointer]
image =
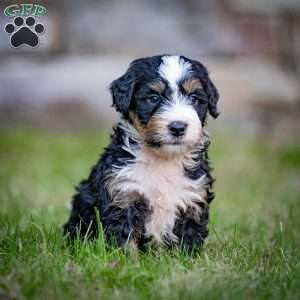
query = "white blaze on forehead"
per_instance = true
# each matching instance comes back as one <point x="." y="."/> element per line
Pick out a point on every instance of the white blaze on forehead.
<point x="179" y="111"/>
<point x="173" y="69"/>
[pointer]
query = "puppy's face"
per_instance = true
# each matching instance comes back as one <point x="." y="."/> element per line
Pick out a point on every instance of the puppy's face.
<point x="167" y="99"/>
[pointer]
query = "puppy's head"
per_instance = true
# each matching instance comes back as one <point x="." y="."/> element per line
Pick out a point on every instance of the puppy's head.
<point x="167" y="99"/>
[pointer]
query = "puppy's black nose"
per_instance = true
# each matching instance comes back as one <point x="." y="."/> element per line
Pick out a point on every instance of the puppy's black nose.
<point x="177" y="128"/>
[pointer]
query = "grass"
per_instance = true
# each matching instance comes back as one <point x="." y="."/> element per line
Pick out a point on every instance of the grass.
<point x="252" y="251"/>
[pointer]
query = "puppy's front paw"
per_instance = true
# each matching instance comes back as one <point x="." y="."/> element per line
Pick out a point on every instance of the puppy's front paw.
<point x="124" y="225"/>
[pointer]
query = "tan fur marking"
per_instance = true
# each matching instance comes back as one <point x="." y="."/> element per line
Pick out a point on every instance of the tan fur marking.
<point x="146" y="132"/>
<point x="141" y="129"/>
<point x="157" y="86"/>
<point x="191" y="85"/>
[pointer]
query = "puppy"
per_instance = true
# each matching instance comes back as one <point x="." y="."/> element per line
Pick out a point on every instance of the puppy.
<point x="152" y="185"/>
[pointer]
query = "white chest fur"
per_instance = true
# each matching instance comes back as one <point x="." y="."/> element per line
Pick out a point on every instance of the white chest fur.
<point x="163" y="183"/>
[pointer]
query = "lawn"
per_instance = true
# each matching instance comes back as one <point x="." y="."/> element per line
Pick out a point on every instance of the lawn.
<point x="252" y="251"/>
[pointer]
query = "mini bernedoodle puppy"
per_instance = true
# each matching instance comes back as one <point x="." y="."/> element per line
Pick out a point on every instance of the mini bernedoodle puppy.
<point x="152" y="185"/>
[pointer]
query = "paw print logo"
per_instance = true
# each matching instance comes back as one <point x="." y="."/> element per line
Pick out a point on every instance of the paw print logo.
<point x="24" y="32"/>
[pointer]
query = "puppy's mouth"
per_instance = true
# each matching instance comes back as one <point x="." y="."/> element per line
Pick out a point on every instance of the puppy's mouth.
<point x="156" y="143"/>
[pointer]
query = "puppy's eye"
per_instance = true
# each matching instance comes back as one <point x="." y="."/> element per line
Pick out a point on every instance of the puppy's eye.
<point x="153" y="99"/>
<point x="196" y="99"/>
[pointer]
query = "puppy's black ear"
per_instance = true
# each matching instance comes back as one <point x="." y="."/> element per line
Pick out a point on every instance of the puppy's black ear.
<point x="209" y="87"/>
<point x="122" y="90"/>
<point x="213" y="98"/>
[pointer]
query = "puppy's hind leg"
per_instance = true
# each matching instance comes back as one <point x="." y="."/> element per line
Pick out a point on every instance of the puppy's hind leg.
<point x="82" y="220"/>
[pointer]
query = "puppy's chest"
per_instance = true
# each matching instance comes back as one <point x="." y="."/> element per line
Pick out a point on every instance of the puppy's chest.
<point x="167" y="189"/>
<point x="162" y="182"/>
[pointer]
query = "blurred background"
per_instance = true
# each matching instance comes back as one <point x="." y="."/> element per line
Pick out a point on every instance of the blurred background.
<point x="251" y="48"/>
